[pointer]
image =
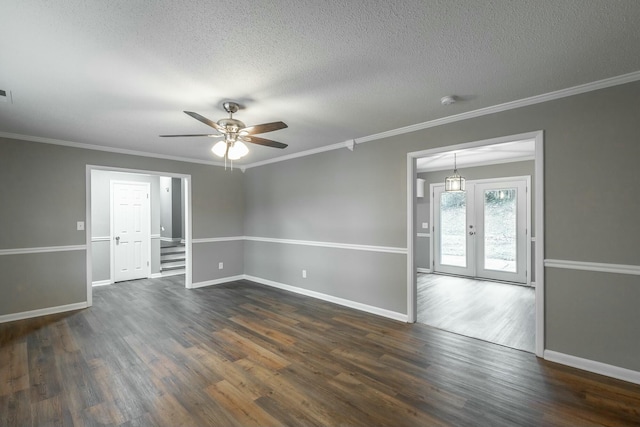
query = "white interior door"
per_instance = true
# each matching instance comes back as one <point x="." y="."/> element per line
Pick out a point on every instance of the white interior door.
<point x="482" y="232"/>
<point x="131" y="230"/>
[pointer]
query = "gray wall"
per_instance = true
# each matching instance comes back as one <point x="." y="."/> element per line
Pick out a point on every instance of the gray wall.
<point x="423" y="204"/>
<point x="46" y="184"/>
<point x="337" y="197"/>
<point x="166" y="210"/>
<point x="177" y="209"/>
<point x="171" y="208"/>
<point x="591" y="211"/>
<point x="360" y="197"/>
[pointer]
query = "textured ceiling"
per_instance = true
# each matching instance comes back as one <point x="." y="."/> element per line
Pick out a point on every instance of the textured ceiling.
<point x="119" y="73"/>
<point x="505" y="152"/>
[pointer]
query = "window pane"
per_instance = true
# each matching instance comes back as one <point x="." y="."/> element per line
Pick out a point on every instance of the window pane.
<point x="453" y="222"/>
<point x="500" y="230"/>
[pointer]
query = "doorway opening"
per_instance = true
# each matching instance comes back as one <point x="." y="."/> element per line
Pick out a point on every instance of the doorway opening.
<point x="125" y="222"/>
<point x="466" y="250"/>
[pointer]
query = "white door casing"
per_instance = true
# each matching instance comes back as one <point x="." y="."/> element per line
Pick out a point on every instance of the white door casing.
<point x="130" y="230"/>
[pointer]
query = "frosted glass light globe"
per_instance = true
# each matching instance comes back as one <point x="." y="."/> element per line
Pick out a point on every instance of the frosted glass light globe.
<point x="237" y="150"/>
<point x="220" y="148"/>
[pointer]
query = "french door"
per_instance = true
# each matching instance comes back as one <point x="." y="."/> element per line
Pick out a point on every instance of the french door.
<point x="483" y="231"/>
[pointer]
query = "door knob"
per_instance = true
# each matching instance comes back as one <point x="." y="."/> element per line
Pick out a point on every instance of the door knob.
<point x="471" y="233"/>
<point x="117" y="239"/>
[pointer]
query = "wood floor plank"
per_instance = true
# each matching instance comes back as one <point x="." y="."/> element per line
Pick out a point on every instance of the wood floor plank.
<point x="151" y="352"/>
<point x="500" y="313"/>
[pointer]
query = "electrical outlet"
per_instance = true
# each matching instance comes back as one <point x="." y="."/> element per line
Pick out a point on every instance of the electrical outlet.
<point x="304" y="274"/>
<point x="220" y="266"/>
<point x="425" y="225"/>
<point x="80" y="225"/>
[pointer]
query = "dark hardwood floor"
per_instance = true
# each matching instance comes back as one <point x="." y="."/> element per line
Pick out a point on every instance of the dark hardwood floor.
<point x="151" y="352"/>
<point x="500" y="313"/>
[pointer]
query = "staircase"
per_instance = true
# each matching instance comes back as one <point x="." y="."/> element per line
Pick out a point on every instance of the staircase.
<point x="172" y="258"/>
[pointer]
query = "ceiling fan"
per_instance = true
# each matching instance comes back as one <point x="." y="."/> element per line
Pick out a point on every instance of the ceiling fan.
<point x="235" y="133"/>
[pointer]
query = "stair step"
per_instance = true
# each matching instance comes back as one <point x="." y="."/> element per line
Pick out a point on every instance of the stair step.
<point x="173" y="272"/>
<point x="172" y="250"/>
<point x="171" y="267"/>
<point x="172" y="264"/>
<point x="172" y="257"/>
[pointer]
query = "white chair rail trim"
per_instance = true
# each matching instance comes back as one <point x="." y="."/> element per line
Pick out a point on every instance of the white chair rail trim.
<point x="43" y="249"/>
<point x="593" y="266"/>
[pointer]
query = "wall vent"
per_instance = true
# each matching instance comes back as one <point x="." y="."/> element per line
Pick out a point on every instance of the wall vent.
<point x="3" y="96"/>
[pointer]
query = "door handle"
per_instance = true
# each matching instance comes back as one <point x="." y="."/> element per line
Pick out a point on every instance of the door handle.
<point x="117" y="239"/>
<point x="471" y="233"/>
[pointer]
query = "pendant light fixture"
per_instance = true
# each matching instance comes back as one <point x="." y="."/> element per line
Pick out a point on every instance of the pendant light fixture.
<point x="455" y="182"/>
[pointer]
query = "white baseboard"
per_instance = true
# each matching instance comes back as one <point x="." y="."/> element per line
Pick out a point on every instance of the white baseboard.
<point x="593" y="366"/>
<point x="156" y="275"/>
<point x="216" y="281"/>
<point x="101" y="283"/>
<point x="423" y="270"/>
<point x="42" y="312"/>
<point x="341" y="301"/>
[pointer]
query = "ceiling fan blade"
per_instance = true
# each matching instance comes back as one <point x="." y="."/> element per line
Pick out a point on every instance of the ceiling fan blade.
<point x="262" y="141"/>
<point x="206" y="121"/>
<point x="210" y="135"/>
<point x="264" y="128"/>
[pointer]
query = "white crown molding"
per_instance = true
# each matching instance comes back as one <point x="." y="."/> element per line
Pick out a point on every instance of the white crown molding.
<point x="386" y="249"/>
<point x="593" y="266"/>
<point x="563" y="93"/>
<point x="42" y="312"/>
<point x="24" y="251"/>
<point x="350" y="143"/>
<point x="537" y="99"/>
<point x="336" y="300"/>
<point x="104" y="148"/>
<point x="593" y="366"/>
<point x="298" y="154"/>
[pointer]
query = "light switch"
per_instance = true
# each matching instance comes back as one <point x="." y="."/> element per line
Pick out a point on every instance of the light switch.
<point x="80" y="225"/>
<point x="425" y="225"/>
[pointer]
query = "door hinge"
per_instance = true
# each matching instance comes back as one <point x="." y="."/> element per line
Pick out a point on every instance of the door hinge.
<point x="147" y="263"/>
<point x="147" y="195"/>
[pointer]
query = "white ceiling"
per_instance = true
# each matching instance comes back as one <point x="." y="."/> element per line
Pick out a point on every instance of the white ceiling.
<point x="505" y="152"/>
<point x="119" y="73"/>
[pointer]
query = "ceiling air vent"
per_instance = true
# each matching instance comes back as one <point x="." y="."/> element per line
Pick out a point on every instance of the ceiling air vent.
<point x="3" y="96"/>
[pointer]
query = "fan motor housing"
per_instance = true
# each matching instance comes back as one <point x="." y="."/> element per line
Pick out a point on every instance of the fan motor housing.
<point x="232" y="125"/>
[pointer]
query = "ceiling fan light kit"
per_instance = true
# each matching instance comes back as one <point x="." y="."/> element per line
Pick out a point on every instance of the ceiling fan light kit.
<point x="236" y="151"/>
<point x="235" y="133"/>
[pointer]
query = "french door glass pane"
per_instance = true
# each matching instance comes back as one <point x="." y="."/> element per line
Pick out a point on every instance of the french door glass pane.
<point x="453" y="223"/>
<point x="500" y="229"/>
